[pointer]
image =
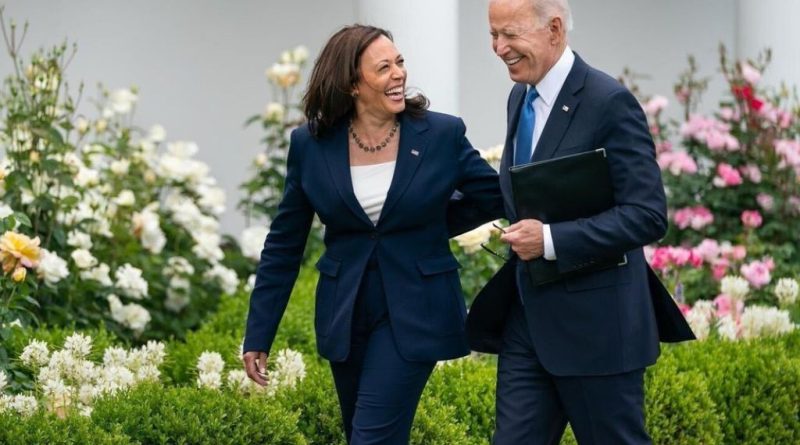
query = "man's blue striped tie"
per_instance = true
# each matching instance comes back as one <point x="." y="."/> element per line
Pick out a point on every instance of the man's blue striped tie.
<point x="527" y="117"/>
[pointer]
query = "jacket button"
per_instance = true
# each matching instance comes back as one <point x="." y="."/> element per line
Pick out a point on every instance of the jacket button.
<point x="373" y="235"/>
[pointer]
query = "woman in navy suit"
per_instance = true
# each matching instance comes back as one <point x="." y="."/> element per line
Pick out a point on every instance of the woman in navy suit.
<point x="380" y="171"/>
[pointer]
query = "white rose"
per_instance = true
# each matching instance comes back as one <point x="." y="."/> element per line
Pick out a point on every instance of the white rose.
<point x="300" y="54"/>
<point x="79" y="239"/>
<point x="157" y="133"/>
<point x="5" y="211"/>
<point x="471" y="241"/>
<point x="130" y="282"/>
<point x="261" y="160"/>
<point x="82" y="125"/>
<point x="83" y="259"/>
<point x="101" y="274"/>
<point x="52" y="268"/>
<point x="121" y="101"/>
<point x="120" y="167"/>
<point x="252" y="241"/>
<point x="126" y="198"/>
<point x="274" y="112"/>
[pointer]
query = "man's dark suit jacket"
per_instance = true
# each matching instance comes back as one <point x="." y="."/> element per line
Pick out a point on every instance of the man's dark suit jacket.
<point x="602" y="322"/>
<point x="410" y="240"/>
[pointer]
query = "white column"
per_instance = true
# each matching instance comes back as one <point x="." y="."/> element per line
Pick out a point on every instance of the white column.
<point x="771" y="24"/>
<point x="426" y="33"/>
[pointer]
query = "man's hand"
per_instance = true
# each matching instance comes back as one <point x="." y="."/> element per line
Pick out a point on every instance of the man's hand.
<point x="526" y="238"/>
<point x="255" y="364"/>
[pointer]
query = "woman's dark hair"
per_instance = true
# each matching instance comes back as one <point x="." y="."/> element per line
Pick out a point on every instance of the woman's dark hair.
<point x="328" y="97"/>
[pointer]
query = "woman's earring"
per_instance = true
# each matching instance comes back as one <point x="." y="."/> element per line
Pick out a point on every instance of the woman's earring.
<point x="354" y="94"/>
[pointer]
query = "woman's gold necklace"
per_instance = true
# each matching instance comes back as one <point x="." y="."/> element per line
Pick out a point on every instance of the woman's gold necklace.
<point x="377" y="147"/>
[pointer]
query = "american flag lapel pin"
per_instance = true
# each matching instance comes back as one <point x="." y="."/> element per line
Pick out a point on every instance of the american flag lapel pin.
<point x="565" y="108"/>
<point x="414" y="152"/>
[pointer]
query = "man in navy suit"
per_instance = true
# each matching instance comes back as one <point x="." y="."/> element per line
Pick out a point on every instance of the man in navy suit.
<point x="575" y="350"/>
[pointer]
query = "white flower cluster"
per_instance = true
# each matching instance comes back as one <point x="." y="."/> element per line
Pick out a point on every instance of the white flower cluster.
<point x="761" y="321"/>
<point x="67" y="379"/>
<point x="289" y="368"/>
<point x="786" y="291"/>
<point x="735" y="287"/>
<point x="700" y="318"/>
<point x="471" y="241"/>
<point x="754" y="322"/>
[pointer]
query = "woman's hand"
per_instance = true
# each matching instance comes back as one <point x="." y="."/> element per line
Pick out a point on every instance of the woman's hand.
<point x="255" y="365"/>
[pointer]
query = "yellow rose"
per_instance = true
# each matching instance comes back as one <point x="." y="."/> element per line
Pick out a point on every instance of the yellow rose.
<point x="19" y="274"/>
<point x="16" y="249"/>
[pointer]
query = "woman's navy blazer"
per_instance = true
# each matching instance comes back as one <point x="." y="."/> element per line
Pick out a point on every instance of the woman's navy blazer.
<point x="435" y="162"/>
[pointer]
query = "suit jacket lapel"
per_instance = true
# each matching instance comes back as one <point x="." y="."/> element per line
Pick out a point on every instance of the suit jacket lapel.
<point x="410" y="152"/>
<point x="337" y="156"/>
<point x="563" y="109"/>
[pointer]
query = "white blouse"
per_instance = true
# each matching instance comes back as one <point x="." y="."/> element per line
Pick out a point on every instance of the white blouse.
<point x="371" y="184"/>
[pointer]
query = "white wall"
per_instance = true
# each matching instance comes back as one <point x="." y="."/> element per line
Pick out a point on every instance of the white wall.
<point x="200" y="63"/>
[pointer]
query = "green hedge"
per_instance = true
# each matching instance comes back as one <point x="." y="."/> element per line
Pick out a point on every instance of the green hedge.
<point x="152" y="414"/>
<point x="755" y="385"/>
<point x="43" y="428"/>
<point x="708" y="393"/>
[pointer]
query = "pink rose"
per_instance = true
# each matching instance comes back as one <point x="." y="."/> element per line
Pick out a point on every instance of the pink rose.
<point x="685" y="308"/>
<point x="751" y="172"/>
<point x="727" y="113"/>
<point x="677" y="162"/>
<point x="757" y="273"/>
<point x="785" y="119"/>
<point x="701" y="217"/>
<point x="661" y="259"/>
<point x="680" y="256"/>
<point x="695" y="260"/>
<point x="751" y="219"/>
<point x="765" y="201"/>
<point x="708" y="249"/>
<point x="724" y="305"/>
<point x="727" y="176"/>
<point x="655" y="105"/>
<point x="739" y="252"/>
<point x="750" y="74"/>
<point x="683" y="217"/>
<point x="719" y="268"/>
<point x="663" y="146"/>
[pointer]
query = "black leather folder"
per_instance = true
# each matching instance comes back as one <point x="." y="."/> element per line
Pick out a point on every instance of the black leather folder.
<point x="563" y="189"/>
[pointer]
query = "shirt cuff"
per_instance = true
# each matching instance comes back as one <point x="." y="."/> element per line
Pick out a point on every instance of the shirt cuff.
<point x="549" y="249"/>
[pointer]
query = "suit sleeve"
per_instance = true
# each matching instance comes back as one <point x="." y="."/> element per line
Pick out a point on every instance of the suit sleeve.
<point x="280" y="258"/>
<point x="478" y="198"/>
<point x="640" y="215"/>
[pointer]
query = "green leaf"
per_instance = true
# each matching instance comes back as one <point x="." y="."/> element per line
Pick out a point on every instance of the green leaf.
<point x="22" y="219"/>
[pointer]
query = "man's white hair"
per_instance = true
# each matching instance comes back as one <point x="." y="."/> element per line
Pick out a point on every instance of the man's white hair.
<point x="547" y="9"/>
